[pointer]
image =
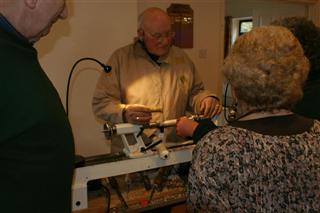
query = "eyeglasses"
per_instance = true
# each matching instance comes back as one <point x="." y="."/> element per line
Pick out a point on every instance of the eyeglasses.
<point x="158" y="36"/>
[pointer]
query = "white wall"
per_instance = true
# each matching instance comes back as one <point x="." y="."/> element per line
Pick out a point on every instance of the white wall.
<point x="314" y="13"/>
<point x="244" y="8"/>
<point x="94" y="28"/>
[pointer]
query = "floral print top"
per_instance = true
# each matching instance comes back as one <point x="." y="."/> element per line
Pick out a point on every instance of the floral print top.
<point x="239" y="170"/>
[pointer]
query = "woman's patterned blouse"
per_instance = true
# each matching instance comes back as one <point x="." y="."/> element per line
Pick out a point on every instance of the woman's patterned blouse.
<point x="238" y="170"/>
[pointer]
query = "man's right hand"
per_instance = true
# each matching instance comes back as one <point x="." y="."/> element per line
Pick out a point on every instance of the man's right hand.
<point x="137" y="114"/>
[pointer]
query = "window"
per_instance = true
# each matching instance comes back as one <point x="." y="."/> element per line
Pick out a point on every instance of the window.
<point x="245" y="26"/>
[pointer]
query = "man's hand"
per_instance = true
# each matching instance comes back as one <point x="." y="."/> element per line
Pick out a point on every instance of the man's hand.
<point x="185" y="127"/>
<point x="210" y="107"/>
<point x="137" y="114"/>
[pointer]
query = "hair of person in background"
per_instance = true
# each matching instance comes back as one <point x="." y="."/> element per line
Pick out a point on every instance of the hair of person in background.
<point x="308" y="35"/>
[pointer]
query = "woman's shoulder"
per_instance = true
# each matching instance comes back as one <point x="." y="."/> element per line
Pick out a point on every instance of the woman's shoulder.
<point x="316" y="126"/>
<point x="222" y="136"/>
<point x="224" y="132"/>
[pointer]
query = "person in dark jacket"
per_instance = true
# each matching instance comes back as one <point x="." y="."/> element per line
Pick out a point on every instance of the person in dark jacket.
<point x="36" y="142"/>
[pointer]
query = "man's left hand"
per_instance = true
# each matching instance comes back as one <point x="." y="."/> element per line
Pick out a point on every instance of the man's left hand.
<point x="210" y="107"/>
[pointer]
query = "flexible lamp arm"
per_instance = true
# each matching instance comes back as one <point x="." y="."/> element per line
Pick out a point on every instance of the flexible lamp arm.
<point x="106" y="68"/>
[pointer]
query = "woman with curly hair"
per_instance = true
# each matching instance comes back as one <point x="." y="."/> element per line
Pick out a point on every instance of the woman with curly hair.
<point x="268" y="160"/>
<point x="308" y="35"/>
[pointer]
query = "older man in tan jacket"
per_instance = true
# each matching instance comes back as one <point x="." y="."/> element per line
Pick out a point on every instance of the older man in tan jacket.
<point x="152" y="73"/>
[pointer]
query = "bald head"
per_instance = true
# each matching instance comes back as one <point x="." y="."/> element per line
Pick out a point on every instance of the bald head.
<point x="155" y="31"/>
<point x="33" y="19"/>
<point x="152" y="16"/>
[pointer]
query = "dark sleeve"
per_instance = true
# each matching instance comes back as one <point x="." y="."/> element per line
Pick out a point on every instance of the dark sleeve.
<point x="205" y="126"/>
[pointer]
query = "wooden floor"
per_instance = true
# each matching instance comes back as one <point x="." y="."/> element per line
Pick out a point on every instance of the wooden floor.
<point x="171" y="199"/>
<point x="99" y="207"/>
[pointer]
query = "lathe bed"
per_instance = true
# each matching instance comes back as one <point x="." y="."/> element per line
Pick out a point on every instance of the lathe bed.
<point x="110" y="166"/>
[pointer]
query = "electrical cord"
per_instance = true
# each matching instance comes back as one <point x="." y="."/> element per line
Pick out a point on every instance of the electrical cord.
<point x="107" y="195"/>
<point x="231" y="109"/>
<point x="225" y="103"/>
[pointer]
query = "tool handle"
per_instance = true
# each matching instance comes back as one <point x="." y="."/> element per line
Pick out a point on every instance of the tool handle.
<point x="114" y="184"/>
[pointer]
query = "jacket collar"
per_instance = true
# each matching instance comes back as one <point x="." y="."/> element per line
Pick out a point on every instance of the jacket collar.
<point x="7" y="26"/>
<point x="140" y="50"/>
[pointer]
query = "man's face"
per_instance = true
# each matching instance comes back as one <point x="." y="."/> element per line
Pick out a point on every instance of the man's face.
<point x="157" y="37"/>
<point x="48" y="12"/>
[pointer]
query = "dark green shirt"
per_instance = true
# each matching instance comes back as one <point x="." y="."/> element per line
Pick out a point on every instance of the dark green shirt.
<point x="36" y="142"/>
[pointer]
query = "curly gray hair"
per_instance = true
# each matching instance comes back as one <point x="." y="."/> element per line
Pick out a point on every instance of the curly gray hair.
<point x="267" y="68"/>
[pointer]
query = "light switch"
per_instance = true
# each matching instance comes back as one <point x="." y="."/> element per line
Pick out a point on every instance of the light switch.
<point x="203" y="53"/>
